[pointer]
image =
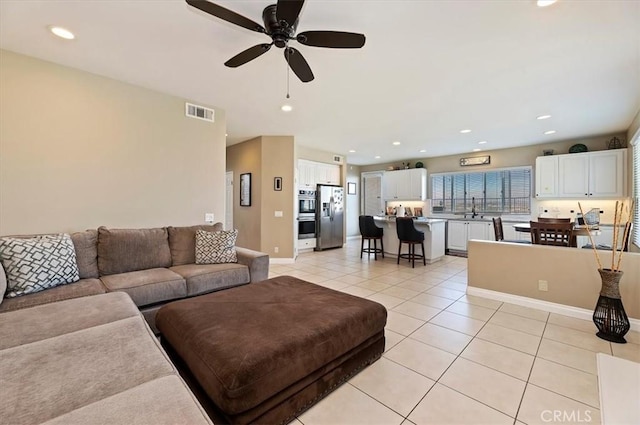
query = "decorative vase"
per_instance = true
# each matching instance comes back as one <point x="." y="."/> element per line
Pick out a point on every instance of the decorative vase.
<point x="609" y="315"/>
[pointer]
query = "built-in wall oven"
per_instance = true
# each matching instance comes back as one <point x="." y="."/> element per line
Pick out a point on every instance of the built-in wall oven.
<point x="306" y="214"/>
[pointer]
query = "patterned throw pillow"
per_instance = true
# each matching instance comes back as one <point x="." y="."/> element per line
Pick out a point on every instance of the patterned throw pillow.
<point x="38" y="263"/>
<point x="216" y="247"/>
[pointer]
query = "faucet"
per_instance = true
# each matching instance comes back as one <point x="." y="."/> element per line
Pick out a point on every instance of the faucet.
<point x="473" y="207"/>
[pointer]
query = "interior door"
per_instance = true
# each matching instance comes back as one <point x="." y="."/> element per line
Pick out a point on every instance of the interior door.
<point x="372" y="203"/>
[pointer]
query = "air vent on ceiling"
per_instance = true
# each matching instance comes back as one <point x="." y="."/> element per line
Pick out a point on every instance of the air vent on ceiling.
<point x="199" y="112"/>
<point x="337" y="159"/>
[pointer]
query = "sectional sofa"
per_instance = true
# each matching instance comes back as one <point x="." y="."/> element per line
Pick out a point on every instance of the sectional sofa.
<point x="154" y="266"/>
<point x="82" y="352"/>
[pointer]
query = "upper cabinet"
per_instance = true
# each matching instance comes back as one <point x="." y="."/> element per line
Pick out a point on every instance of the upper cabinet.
<point x="405" y="185"/>
<point x="547" y="177"/>
<point x="599" y="174"/>
<point x="311" y="173"/>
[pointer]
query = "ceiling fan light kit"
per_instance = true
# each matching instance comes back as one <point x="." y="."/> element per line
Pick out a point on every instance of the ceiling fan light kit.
<point x="280" y="23"/>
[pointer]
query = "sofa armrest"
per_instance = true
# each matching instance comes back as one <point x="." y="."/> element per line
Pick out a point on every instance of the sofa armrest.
<point x="258" y="263"/>
<point x="3" y="283"/>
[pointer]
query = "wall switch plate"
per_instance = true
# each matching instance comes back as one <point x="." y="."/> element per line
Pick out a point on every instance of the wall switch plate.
<point x="543" y="285"/>
<point x="276" y="249"/>
<point x="209" y="218"/>
<point x="278" y="213"/>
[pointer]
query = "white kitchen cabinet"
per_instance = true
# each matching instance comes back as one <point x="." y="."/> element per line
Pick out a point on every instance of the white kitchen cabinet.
<point x="405" y="185"/>
<point x="460" y="232"/>
<point x="311" y="173"/>
<point x="327" y="173"/>
<point x="547" y="177"/>
<point x="599" y="174"/>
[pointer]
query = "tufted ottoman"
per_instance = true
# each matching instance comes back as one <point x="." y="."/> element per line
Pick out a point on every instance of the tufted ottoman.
<point x="265" y="352"/>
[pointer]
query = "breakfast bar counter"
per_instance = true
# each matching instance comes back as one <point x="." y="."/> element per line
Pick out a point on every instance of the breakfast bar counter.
<point x="434" y="236"/>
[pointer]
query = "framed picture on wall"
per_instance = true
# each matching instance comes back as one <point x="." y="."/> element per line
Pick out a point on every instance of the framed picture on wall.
<point x="245" y="190"/>
<point x="351" y="188"/>
<point x="277" y="183"/>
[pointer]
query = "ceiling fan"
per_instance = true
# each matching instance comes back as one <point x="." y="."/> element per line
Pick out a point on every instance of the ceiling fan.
<point x="280" y="22"/>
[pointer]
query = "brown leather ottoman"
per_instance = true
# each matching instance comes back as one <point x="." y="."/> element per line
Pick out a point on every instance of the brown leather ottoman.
<point x="265" y="352"/>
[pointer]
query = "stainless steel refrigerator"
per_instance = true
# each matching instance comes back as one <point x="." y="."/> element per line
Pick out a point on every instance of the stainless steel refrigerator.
<point x="329" y="217"/>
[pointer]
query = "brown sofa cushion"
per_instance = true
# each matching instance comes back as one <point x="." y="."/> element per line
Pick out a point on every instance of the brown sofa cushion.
<point x="86" y="245"/>
<point x="202" y="278"/>
<point x="248" y="343"/>
<point x="182" y="242"/>
<point x="147" y="286"/>
<point x="81" y="288"/>
<point x="127" y="250"/>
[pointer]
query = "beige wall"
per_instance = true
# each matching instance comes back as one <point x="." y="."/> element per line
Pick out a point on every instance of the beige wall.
<point x="246" y="158"/>
<point x="265" y="157"/>
<point x="571" y="273"/>
<point x="78" y="151"/>
<point x="352" y="207"/>
<point x="511" y="157"/>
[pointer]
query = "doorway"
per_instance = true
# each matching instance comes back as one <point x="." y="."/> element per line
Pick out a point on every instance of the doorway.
<point x="228" y="201"/>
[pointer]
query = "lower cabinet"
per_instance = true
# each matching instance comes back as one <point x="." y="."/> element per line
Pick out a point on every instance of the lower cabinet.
<point x="460" y="232"/>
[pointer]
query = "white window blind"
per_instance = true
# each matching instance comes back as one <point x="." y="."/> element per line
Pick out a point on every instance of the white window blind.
<point x="506" y="191"/>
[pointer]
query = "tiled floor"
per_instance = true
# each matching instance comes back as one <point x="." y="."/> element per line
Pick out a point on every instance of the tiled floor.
<point x="452" y="358"/>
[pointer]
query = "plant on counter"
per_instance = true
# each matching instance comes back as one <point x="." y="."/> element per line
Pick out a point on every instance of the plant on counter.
<point x="609" y="315"/>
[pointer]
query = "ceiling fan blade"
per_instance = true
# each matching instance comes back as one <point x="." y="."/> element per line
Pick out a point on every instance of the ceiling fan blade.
<point x="333" y="39"/>
<point x="248" y="55"/>
<point x="226" y="14"/>
<point x="289" y="10"/>
<point x="298" y="64"/>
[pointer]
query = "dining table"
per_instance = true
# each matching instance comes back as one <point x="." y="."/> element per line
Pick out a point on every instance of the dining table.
<point x="578" y="230"/>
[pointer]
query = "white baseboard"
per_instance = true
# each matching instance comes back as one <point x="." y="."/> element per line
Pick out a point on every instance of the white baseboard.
<point x="349" y="238"/>
<point x="281" y="260"/>
<point x="566" y="310"/>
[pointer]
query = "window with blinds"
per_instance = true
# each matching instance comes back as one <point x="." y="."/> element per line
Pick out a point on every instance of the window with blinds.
<point x="506" y="191"/>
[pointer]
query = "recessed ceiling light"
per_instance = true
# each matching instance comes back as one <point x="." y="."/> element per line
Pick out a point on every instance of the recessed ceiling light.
<point x="550" y="132"/>
<point x="352" y="151"/>
<point x="482" y="142"/>
<point x="423" y="150"/>
<point x="396" y="143"/>
<point x="545" y="3"/>
<point x="477" y="150"/>
<point x="286" y="108"/>
<point x="465" y="131"/>
<point x="543" y="117"/>
<point x="377" y="157"/>
<point x="62" y="32"/>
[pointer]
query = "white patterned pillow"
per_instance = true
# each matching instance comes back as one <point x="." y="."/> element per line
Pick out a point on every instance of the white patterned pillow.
<point x="216" y="247"/>
<point x="38" y="263"/>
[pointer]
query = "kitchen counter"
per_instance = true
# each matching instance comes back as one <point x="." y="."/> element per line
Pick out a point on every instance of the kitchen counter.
<point x="434" y="236"/>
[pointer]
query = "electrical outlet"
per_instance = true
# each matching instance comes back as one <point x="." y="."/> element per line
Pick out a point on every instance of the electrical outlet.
<point x="209" y="218"/>
<point x="543" y="285"/>
<point x="276" y="249"/>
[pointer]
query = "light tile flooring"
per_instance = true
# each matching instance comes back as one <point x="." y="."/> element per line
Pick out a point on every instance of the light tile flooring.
<point x="452" y="358"/>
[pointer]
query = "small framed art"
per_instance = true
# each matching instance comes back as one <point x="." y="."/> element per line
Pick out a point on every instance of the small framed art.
<point x="351" y="188"/>
<point x="245" y="190"/>
<point x="277" y="184"/>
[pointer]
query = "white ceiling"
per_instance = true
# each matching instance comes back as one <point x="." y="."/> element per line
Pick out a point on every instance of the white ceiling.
<point x="428" y="69"/>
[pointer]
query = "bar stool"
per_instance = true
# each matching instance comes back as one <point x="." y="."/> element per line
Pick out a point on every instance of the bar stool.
<point x="407" y="233"/>
<point x="369" y="232"/>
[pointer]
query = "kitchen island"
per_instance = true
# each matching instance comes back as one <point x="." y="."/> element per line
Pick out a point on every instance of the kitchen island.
<point x="434" y="236"/>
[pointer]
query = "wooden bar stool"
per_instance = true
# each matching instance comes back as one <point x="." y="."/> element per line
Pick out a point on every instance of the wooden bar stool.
<point x="369" y="232"/>
<point x="407" y="233"/>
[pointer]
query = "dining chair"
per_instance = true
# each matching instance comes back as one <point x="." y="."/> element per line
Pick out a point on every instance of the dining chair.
<point x="553" y="220"/>
<point x="552" y="233"/>
<point x="369" y="231"/>
<point x="499" y="232"/>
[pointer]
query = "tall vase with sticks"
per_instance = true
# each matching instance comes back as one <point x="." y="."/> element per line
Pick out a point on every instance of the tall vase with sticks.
<point x="609" y="315"/>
